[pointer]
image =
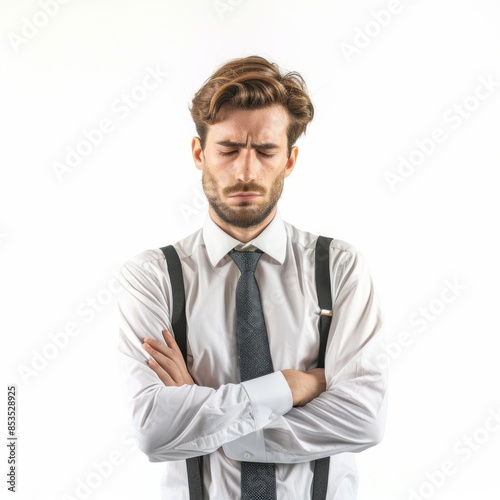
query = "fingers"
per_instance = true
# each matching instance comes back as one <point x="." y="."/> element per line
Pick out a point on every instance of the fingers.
<point x="170" y="341"/>
<point x="162" y="374"/>
<point x="164" y="364"/>
<point x="170" y="348"/>
<point x="159" y="346"/>
<point x="168" y="361"/>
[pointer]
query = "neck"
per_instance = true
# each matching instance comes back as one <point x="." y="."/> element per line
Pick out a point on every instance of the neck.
<point x="243" y="234"/>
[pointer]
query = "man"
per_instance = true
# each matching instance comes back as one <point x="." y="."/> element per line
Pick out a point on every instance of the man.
<point x="248" y="116"/>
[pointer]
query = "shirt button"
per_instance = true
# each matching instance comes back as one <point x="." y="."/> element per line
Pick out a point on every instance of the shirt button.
<point x="247" y="455"/>
<point x="272" y="416"/>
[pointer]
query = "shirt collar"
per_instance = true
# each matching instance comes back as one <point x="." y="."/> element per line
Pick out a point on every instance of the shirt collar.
<point x="272" y="241"/>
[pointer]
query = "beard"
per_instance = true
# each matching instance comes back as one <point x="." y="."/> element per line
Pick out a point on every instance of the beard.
<point x="246" y="214"/>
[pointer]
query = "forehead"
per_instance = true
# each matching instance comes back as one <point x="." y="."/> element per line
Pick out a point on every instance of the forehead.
<point x="263" y="125"/>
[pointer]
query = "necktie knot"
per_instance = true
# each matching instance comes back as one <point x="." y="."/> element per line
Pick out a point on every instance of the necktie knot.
<point x="246" y="261"/>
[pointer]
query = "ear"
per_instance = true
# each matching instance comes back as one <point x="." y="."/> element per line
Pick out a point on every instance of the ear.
<point x="197" y="151"/>
<point x="290" y="164"/>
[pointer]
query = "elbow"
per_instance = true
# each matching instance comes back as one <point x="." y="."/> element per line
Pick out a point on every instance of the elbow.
<point x="155" y="444"/>
<point x="150" y="431"/>
<point x="158" y="426"/>
<point x="375" y="426"/>
<point x="365" y="433"/>
<point x="149" y="445"/>
<point x="375" y="432"/>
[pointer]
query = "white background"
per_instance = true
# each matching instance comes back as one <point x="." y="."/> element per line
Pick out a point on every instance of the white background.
<point x="62" y="237"/>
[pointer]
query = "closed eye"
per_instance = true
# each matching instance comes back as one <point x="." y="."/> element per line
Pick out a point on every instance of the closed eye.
<point x="261" y="153"/>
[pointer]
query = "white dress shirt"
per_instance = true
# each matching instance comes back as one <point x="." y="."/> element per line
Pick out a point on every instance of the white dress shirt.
<point x="229" y="421"/>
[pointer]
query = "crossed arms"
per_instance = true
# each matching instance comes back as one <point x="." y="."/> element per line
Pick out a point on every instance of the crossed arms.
<point x="301" y="416"/>
<point x="167" y="362"/>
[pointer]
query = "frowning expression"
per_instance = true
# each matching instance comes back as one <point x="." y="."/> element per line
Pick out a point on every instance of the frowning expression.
<point x="244" y="162"/>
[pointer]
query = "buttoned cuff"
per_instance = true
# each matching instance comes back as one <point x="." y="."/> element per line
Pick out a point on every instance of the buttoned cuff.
<point x="249" y="448"/>
<point x="270" y="398"/>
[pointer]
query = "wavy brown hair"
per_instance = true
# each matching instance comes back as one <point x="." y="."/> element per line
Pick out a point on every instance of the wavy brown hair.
<point x="253" y="83"/>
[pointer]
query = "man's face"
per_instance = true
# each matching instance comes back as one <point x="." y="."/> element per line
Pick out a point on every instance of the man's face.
<point x="244" y="164"/>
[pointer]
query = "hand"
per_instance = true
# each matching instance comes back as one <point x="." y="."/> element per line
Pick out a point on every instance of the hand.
<point x="305" y="386"/>
<point x="167" y="361"/>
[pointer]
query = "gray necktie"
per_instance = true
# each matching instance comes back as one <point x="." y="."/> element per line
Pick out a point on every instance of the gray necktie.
<point x="258" y="480"/>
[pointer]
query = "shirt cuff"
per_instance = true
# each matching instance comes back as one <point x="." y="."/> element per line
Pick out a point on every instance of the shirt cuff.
<point x="249" y="448"/>
<point x="270" y="397"/>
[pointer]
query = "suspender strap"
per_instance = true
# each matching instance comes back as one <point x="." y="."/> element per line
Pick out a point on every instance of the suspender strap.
<point x="323" y="290"/>
<point x="178" y="298"/>
<point x="194" y="465"/>
<point x="320" y="479"/>
<point x="195" y="477"/>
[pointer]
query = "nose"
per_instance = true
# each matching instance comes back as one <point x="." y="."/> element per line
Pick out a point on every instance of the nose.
<point x="246" y="165"/>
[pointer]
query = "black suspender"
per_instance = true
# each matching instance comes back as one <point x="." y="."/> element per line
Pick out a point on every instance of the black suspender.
<point x="195" y="464"/>
<point x="178" y="298"/>
<point x="323" y="289"/>
<point x="324" y="292"/>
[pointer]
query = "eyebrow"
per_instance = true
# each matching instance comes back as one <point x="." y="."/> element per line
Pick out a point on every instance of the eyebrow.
<point x="232" y="144"/>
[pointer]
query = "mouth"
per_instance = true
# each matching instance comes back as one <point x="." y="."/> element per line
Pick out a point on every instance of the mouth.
<point x="245" y="196"/>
